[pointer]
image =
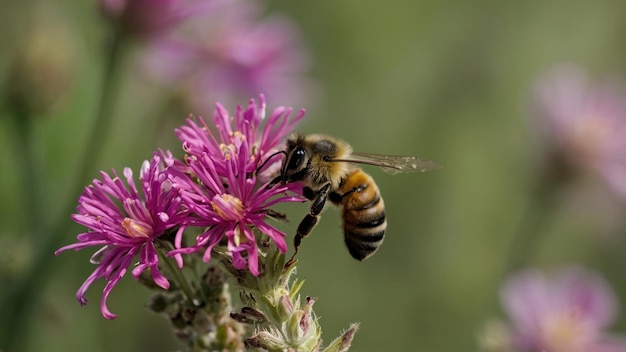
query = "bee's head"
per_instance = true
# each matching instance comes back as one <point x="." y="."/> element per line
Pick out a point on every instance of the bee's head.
<point x="296" y="162"/>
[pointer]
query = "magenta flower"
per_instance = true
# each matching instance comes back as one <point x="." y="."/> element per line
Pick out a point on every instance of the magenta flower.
<point x="263" y="137"/>
<point x="230" y="55"/>
<point x="582" y="125"/>
<point x="125" y="223"/>
<point x="230" y="200"/>
<point x="151" y="18"/>
<point x="567" y="312"/>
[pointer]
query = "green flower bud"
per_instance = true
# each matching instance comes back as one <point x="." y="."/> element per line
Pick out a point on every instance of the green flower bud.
<point x="343" y="342"/>
<point x="270" y="340"/>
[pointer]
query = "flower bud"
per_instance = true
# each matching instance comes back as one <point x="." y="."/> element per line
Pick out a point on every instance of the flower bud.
<point x="183" y="317"/>
<point x="284" y="307"/>
<point x="343" y="342"/>
<point x="271" y="340"/>
<point x="305" y="321"/>
<point x="158" y="303"/>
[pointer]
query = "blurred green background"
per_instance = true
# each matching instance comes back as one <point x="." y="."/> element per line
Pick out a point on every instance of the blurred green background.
<point x="445" y="80"/>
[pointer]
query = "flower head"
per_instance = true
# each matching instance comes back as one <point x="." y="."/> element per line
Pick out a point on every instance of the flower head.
<point x="227" y="194"/>
<point x="229" y="55"/>
<point x="125" y="223"/>
<point x="581" y="124"/>
<point x="567" y="312"/>
<point x="262" y="137"/>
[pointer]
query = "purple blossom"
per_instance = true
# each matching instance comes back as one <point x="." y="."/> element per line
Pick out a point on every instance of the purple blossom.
<point x="565" y="312"/>
<point x="249" y="125"/>
<point x="151" y="18"/>
<point x="231" y="54"/>
<point x="581" y="124"/>
<point x="125" y="223"/>
<point x="229" y="199"/>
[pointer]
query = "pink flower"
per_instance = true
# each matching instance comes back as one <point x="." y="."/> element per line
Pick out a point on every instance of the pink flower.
<point x="229" y="55"/>
<point x="262" y="136"/>
<point x="566" y="312"/>
<point x="223" y="186"/>
<point x="224" y="194"/>
<point x="582" y="125"/>
<point x="151" y="18"/>
<point x="125" y="223"/>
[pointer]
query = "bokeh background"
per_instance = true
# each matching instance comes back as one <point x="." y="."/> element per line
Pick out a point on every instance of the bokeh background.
<point x="448" y="81"/>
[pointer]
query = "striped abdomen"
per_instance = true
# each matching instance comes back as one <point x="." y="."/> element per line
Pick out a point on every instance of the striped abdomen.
<point x="364" y="220"/>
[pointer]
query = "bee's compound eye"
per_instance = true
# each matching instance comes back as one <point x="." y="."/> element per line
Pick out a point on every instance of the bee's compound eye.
<point x="296" y="159"/>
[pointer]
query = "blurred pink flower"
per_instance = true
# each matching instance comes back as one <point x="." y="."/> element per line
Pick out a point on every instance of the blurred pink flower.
<point x="583" y="125"/>
<point x="229" y="55"/>
<point x="566" y="312"/>
<point x="225" y="195"/>
<point x="126" y="223"/>
<point x="150" y="18"/>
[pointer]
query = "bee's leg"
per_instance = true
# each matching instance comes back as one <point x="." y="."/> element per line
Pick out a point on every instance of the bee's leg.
<point x="318" y="200"/>
<point x="308" y="193"/>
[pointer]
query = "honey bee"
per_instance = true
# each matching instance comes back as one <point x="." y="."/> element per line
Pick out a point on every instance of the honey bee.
<point x="326" y="167"/>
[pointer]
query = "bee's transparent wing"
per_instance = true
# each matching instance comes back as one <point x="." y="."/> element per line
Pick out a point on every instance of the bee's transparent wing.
<point x="393" y="164"/>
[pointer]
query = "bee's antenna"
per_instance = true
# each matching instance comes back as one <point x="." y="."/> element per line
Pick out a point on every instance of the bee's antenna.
<point x="268" y="159"/>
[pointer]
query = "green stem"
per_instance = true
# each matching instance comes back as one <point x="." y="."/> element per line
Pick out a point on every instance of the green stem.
<point x="30" y="172"/>
<point x="21" y="302"/>
<point x="202" y="290"/>
<point x="177" y="275"/>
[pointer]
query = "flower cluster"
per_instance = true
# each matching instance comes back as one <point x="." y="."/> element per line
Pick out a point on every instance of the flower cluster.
<point x="217" y="188"/>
